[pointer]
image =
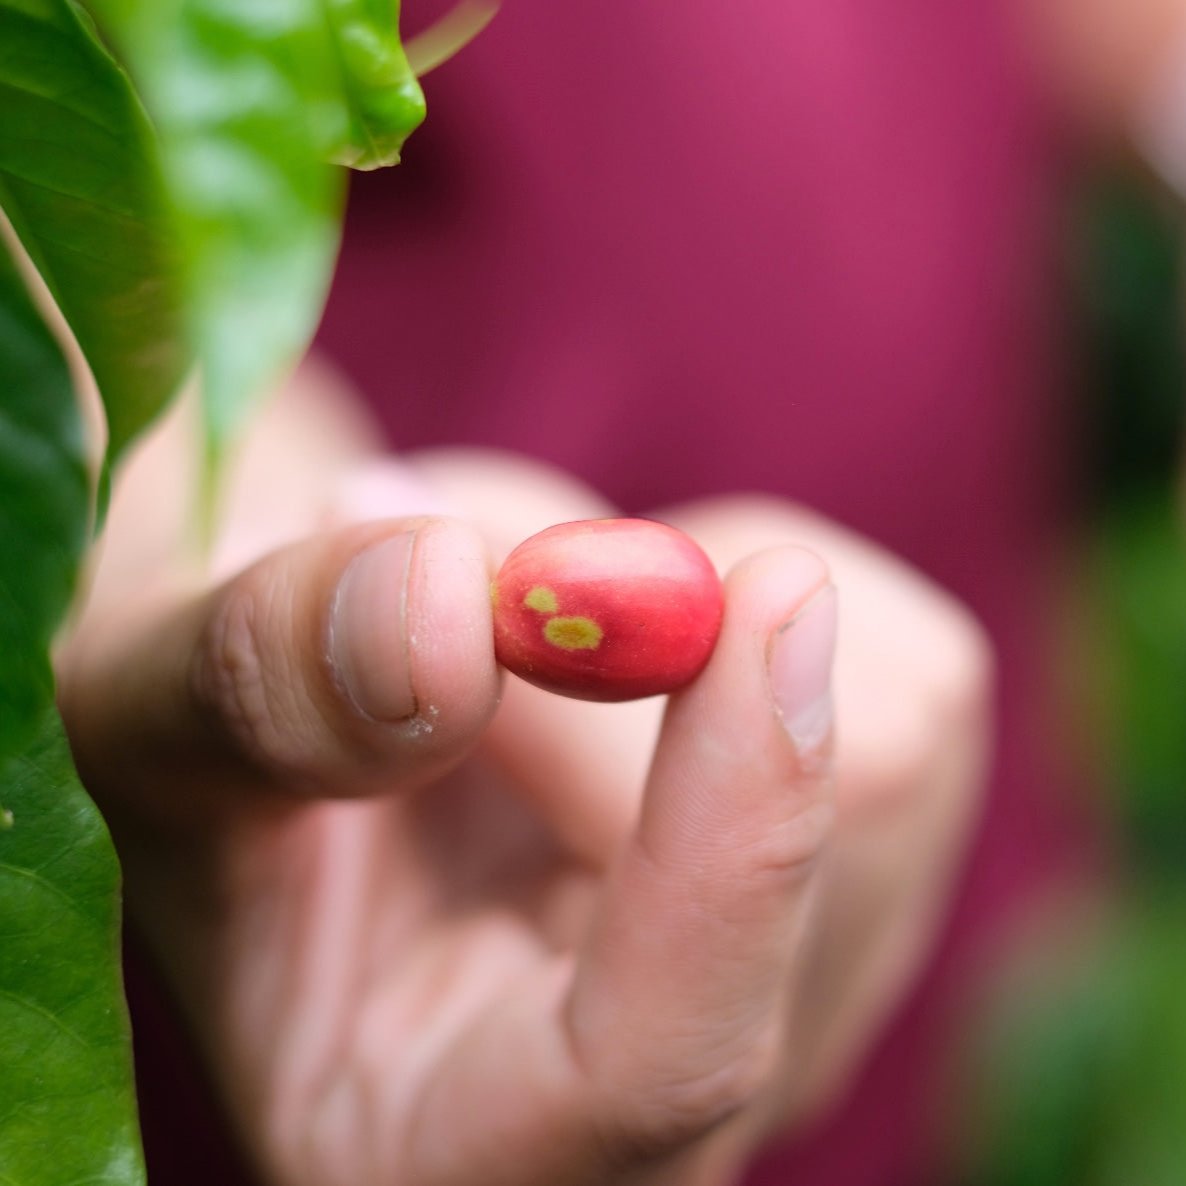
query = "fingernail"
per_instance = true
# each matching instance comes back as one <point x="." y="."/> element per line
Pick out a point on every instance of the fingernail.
<point x="368" y="638"/>
<point x="800" y="668"/>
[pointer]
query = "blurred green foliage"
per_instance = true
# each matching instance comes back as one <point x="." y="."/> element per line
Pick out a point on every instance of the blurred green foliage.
<point x="1126" y="281"/>
<point x="1079" y="1066"/>
<point x="1132" y="314"/>
<point x="1081" y="1071"/>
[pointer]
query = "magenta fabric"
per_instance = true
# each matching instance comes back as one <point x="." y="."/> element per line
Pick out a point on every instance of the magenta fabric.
<point x="799" y="246"/>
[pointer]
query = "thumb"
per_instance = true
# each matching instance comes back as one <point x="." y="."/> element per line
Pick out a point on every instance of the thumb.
<point x="340" y="666"/>
<point x="680" y="999"/>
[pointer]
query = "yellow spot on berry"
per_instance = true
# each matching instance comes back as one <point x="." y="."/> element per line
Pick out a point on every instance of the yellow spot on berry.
<point x="573" y="634"/>
<point x="542" y="600"/>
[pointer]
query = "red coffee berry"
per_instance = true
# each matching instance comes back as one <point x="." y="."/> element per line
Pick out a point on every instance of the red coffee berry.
<point x="607" y="609"/>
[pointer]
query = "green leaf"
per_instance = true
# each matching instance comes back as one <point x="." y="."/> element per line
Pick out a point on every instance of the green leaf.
<point x="44" y="505"/>
<point x="252" y="101"/>
<point x="247" y="100"/>
<point x="66" y="1104"/>
<point x="384" y="101"/>
<point x="67" y="1107"/>
<point x="81" y="184"/>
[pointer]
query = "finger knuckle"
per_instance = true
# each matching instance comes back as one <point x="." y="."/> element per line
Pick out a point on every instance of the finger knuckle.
<point x="669" y="1108"/>
<point x="786" y="850"/>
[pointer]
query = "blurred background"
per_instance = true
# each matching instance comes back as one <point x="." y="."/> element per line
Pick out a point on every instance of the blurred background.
<point x="920" y="266"/>
<point x="1072" y="1068"/>
<point x="1077" y="1069"/>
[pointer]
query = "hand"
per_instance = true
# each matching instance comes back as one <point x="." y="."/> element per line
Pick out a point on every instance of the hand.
<point x="423" y="937"/>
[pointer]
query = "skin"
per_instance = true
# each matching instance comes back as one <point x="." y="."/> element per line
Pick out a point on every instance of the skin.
<point x="516" y="941"/>
<point x="1100" y="58"/>
<point x="607" y="609"/>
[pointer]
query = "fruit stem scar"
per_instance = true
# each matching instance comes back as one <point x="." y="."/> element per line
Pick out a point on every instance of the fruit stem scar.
<point x="542" y="599"/>
<point x="573" y="634"/>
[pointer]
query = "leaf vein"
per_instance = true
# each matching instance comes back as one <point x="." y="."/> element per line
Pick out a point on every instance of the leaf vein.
<point x="44" y="883"/>
<point x="55" y="101"/>
<point x="123" y="215"/>
<point x="42" y="1011"/>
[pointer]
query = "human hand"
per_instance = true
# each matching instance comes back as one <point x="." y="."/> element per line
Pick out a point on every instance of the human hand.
<point x="424" y="941"/>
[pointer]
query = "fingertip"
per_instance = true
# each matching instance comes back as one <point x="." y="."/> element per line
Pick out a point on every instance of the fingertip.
<point x="410" y="625"/>
<point x="773" y="661"/>
<point x="799" y="667"/>
<point x="768" y="588"/>
<point x="357" y="662"/>
<point x="449" y="631"/>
